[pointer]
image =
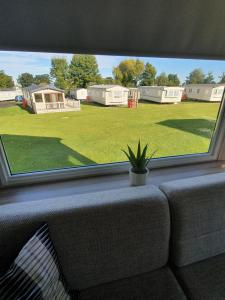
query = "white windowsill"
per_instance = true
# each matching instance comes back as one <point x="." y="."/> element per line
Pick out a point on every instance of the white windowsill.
<point x="100" y="183"/>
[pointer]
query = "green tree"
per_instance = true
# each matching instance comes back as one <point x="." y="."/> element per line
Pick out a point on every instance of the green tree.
<point x="42" y="79"/>
<point x="209" y="78"/>
<point x="59" y="72"/>
<point x="108" y="80"/>
<point x="148" y="76"/>
<point x="6" y="81"/>
<point x="129" y="72"/>
<point x="162" y="79"/>
<point x="173" y="80"/>
<point x="25" y="79"/>
<point x="222" y="78"/>
<point x="195" y="77"/>
<point x="84" y="71"/>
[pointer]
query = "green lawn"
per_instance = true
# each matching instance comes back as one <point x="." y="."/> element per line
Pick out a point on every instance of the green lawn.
<point x="97" y="134"/>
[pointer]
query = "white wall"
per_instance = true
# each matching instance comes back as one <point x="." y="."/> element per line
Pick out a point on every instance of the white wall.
<point x="204" y="93"/>
<point x="112" y="96"/>
<point x="161" y="94"/>
<point x="80" y="94"/>
<point x="10" y="94"/>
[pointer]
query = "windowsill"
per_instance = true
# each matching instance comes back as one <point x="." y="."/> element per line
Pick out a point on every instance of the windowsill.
<point x="103" y="183"/>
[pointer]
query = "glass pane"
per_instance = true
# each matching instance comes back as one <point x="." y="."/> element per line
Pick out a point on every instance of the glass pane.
<point x="54" y="97"/>
<point x="60" y="98"/>
<point x="173" y="106"/>
<point x="47" y="98"/>
<point x="38" y="97"/>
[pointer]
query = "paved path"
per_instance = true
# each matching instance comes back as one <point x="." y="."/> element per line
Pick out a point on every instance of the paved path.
<point x="4" y="104"/>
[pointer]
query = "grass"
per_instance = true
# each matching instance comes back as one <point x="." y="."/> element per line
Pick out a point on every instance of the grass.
<point x="97" y="134"/>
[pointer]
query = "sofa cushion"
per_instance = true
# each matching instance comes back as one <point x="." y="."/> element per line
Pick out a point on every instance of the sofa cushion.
<point x="204" y="280"/>
<point x="159" y="285"/>
<point x="197" y="207"/>
<point x="35" y="272"/>
<point x="99" y="237"/>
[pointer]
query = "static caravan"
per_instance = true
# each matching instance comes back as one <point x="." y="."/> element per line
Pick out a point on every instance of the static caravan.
<point x="79" y="94"/>
<point x="204" y="92"/>
<point x="161" y="94"/>
<point x="108" y="94"/>
<point x="10" y="94"/>
<point x="44" y="99"/>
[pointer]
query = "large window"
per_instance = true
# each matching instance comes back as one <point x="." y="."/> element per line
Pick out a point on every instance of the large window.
<point x="47" y="98"/>
<point x="38" y="97"/>
<point x="93" y="132"/>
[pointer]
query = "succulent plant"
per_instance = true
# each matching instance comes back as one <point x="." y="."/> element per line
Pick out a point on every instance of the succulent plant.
<point x="140" y="161"/>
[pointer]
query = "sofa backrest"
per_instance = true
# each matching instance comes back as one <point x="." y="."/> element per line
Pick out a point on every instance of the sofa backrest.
<point x="197" y="207"/>
<point x="99" y="237"/>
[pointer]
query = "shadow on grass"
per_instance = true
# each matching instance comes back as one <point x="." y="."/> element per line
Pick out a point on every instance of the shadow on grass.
<point x="99" y="105"/>
<point x="201" y="127"/>
<point x="142" y="101"/>
<point x="34" y="153"/>
<point x="89" y="103"/>
<point x="28" y="109"/>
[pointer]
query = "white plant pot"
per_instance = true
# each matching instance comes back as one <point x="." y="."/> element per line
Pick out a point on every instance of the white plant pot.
<point x="138" y="179"/>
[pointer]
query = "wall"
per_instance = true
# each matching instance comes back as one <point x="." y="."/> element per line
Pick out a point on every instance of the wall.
<point x="166" y="98"/>
<point x="9" y="94"/>
<point x="205" y="93"/>
<point x="151" y="93"/>
<point x="160" y="94"/>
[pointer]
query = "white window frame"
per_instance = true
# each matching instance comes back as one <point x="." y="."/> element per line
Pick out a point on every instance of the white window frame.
<point x="172" y="93"/>
<point x="7" y="179"/>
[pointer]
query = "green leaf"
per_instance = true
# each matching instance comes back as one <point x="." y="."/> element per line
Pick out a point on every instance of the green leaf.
<point x="150" y="158"/>
<point x="143" y="156"/>
<point x="132" y="156"/>
<point x="126" y="154"/>
<point x="139" y="150"/>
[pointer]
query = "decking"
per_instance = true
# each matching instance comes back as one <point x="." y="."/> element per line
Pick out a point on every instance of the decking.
<point x="67" y="105"/>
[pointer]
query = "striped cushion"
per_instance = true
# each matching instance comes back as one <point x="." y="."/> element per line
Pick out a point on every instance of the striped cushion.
<point x="34" y="275"/>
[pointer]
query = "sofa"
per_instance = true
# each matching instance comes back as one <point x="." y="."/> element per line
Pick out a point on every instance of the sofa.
<point x="135" y="243"/>
<point x="197" y="208"/>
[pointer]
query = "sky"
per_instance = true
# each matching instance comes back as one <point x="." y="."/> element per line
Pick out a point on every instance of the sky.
<point x="15" y="63"/>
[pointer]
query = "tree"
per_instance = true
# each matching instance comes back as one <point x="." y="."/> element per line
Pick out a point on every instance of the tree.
<point x="148" y="76"/>
<point x="173" y="80"/>
<point x="6" y="81"/>
<point x="84" y="71"/>
<point x="25" y="79"/>
<point x="108" y="80"/>
<point x="222" y="78"/>
<point x="129" y="72"/>
<point x="209" y="78"/>
<point x="196" y="76"/>
<point x="60" y="72"/>
<point x="42" y="79"/>
<point x="162" y="79"/>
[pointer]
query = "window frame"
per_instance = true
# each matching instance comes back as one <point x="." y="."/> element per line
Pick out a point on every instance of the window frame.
<point x="8" y="179"/>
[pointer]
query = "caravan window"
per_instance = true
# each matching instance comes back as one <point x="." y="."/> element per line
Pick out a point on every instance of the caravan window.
<point x="172" y="93"/>
<point x="38" y="97"/>
<point x="218" y="92"/>
<point x="117" y="94"/>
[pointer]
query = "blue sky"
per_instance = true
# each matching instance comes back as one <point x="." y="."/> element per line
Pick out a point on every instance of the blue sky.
<point x="14" y="63"/>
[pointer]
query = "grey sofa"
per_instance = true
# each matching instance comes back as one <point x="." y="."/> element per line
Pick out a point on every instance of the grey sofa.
<point x="197" y="209"/>
<point x="111" y="245"/>
<point x="131" y="244"/>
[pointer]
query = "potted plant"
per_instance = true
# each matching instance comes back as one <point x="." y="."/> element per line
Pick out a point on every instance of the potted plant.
<point x="139" y="164"/>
